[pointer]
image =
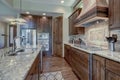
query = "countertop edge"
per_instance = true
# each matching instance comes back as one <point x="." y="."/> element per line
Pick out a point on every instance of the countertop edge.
<point x="115" y="56"/>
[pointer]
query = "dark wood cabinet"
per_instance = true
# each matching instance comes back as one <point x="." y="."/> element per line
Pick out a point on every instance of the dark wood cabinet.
<point x="33" y="73"/>
<point x="72" y="29"/>
<point x="105" y="69"/>
<point x="112" y="70"/>
<point x="98" y="68"/>
<point x="57" y="36"/>
<point x="79" y="61"/>
<point x="91" y="67"/>
<point x="112" y="76"/>
<point x="114" y="14"/>
<point x="67" y="52"/>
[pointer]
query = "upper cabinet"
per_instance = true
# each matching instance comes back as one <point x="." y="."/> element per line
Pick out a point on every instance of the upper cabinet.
<point x="114" y="14"/>
<point x="72" y="29"/>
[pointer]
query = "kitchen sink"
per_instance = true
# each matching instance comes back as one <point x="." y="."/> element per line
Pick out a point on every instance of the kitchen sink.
<point x="14" y="53"/>
<point x="91" y="48"/>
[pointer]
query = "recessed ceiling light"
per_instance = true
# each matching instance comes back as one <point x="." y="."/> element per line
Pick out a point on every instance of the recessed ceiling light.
<point x="62" y="1"/>
<point x="44" y="14"/>
<point x="27" y="12"/>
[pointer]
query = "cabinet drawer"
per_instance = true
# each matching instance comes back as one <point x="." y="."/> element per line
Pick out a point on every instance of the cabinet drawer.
<point x="81" y="55"/>
<point x="113" y="66"/>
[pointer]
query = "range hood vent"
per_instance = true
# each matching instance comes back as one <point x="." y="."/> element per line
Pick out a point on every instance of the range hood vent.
<point x="92" y="11"/>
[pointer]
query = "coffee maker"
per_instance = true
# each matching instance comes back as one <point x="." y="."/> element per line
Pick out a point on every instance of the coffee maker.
<point x="111" y="41"/>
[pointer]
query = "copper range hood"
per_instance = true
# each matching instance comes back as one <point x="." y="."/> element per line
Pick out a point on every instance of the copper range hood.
<point x="92" y="11"/>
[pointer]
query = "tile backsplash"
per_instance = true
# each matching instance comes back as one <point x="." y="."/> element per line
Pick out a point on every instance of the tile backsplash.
<point x="96" y="34"/>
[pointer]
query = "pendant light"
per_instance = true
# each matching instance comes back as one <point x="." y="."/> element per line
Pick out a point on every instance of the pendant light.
<point x="19" y="20"/>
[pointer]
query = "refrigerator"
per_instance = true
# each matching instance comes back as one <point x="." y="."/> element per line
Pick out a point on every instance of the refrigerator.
<point x="43" y="39"/>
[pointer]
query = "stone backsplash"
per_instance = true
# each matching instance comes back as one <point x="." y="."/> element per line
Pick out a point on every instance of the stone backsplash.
<point x="96" y="34"/>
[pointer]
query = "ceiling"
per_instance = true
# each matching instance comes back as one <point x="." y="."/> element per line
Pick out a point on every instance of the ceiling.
<point x="10" y="4"/>
<point x="53" y="2"/>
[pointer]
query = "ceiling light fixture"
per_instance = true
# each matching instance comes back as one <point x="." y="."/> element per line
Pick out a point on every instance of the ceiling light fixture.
<point x="62" y="1"/>
<point x="27" y="12"/>
<point x="19" y="19"/>
<point x="44" y="14"/>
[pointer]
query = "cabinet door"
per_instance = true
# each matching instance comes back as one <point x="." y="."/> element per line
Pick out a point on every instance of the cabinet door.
<point x="114" y="14"/>
<point x="80" y="64"/>
<point x="113" y="66"/>
<point x="72" y="18"/>
<point x="111" y="13"/>
<point x="112" y="76"/>
<point x="98" y="68"/>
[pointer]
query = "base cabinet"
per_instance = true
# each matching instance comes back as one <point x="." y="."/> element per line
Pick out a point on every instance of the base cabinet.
<point x="112" y="76"/>
<point x="112" y="70"/>
<point x="102" y="68"/>
<point x="33" y="73"/>
<point x="98" y="68"/>
<point x="79" y="61"/>
<point x="67" y="50"/>
<point x="105" y="69"/>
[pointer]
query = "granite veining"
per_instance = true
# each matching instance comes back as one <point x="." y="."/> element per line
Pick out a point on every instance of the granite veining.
<point x="17" y="67"/>
<point x="104" y="53"/>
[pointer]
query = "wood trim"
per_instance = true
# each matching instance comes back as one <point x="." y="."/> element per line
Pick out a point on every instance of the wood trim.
<point x="79" y="9"/>
<point x="94" y="12"/>
<point x="76" y="4"/>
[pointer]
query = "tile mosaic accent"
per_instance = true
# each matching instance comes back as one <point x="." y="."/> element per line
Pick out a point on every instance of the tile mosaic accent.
<point x="96" y="34"/>
<point x="51" y="76"/>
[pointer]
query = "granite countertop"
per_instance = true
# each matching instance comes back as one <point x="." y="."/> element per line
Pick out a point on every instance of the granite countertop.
<point x="17" y="67"/>
<point x="104" y="53"/>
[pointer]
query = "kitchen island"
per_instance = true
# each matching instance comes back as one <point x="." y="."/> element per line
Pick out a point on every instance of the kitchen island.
<point x="18" y="67"/>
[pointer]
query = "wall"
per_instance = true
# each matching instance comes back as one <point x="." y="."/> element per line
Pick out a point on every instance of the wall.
<point x="95" y="34"/>
<point x="6" y="11"/>
<point x="8" y="3"/>
<point x="3" y="30"/>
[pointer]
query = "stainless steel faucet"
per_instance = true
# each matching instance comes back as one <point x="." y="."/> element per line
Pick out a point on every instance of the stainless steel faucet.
<point x="14" y="44"/>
